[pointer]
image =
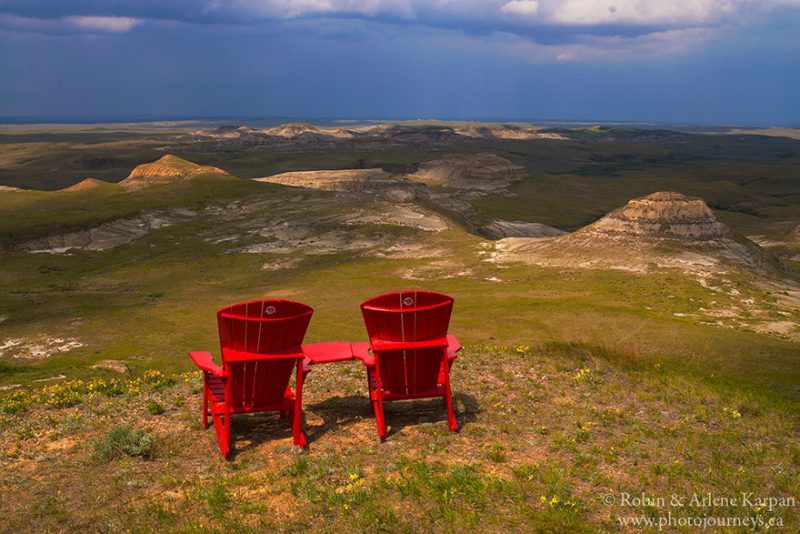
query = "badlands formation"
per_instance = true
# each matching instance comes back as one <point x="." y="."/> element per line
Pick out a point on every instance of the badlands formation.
<point x="664" y="229"/>
<point x="167" y="169"/>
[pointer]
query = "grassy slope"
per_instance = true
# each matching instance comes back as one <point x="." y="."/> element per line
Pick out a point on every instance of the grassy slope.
<point x="545" y="434"/>
<point x="152" y="299"/>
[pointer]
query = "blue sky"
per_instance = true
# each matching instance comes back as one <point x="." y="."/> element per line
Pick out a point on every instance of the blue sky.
<point x="695" y="61"/>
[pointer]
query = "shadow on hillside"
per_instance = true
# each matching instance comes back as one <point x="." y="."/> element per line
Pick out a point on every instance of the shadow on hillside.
<point x="400" y="415"/>
<point x="338" y="413"/>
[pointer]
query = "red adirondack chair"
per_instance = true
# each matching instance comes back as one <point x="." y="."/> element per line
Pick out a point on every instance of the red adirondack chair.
<point x="411" y="351"/>
<point x="261" y="346"/>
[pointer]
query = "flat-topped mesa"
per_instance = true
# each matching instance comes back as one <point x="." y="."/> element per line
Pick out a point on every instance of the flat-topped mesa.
<point x="482" y="172"/>
<point x="665" y="216"/>
<point x="167" y="169"/>
<point x="333" y="180"/>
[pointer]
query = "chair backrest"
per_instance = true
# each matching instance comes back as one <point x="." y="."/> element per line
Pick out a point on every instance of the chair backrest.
<point x="261" y="327"/>
<point x="408" y="317"/>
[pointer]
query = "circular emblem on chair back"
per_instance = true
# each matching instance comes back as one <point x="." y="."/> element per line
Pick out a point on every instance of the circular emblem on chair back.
<point x="261" y="326"/>
<point x="407" y="315"/>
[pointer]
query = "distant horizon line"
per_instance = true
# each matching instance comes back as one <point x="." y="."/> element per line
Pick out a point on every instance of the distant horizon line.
<point x="278" y="119"/>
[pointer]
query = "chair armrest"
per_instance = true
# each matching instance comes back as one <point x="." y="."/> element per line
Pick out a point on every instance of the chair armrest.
<point x="361" y="352"/>
<point x="380" y="345"/>
<point x="453" y="346"/>
<point x="231" y="355"/>
<point x="204" y="361"/>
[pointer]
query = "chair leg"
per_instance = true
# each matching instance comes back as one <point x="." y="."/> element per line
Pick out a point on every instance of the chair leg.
<point x="222" y="426"/>
<point x="297" y="416"/>
<point x="379" y="417"/>
<point x="448" y="395"/>
<point x="374" y="388"/>
<point x="451" y="416"/>
<point x="205" y="401"/>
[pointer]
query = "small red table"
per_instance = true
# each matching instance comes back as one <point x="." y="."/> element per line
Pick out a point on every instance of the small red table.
<point x="334" y="351"/>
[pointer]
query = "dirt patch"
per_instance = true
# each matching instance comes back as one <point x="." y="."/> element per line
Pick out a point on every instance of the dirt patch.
<point x="280" y="264"/>
<point x="402" y="215"/>
<point x="410" y="250"/>
<point x="436" y="270"/>
<point x="116" y="366"/>
<point x="38" y="348"/>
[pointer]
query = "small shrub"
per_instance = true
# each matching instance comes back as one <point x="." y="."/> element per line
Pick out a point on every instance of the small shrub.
<point x="63" y="395"/>
<point x="16" y="402"/>
<point x="497" y="453"/>
<point x="123" y="441"/>
<point x="154" y="408"/>
<point x="158" y="381"/>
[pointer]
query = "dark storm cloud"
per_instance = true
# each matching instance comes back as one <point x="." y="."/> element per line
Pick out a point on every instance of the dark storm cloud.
<point x="689" y="61"/>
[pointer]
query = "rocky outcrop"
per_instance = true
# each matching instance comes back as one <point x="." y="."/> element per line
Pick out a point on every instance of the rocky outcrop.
<point x="166" y="170"/>
<point x="660" y="216"/>
<point x="483" y="173"/>
<point x="107" y="235"/>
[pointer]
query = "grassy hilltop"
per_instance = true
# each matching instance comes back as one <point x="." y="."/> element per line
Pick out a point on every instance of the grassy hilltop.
<point x="575" y="382"/>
